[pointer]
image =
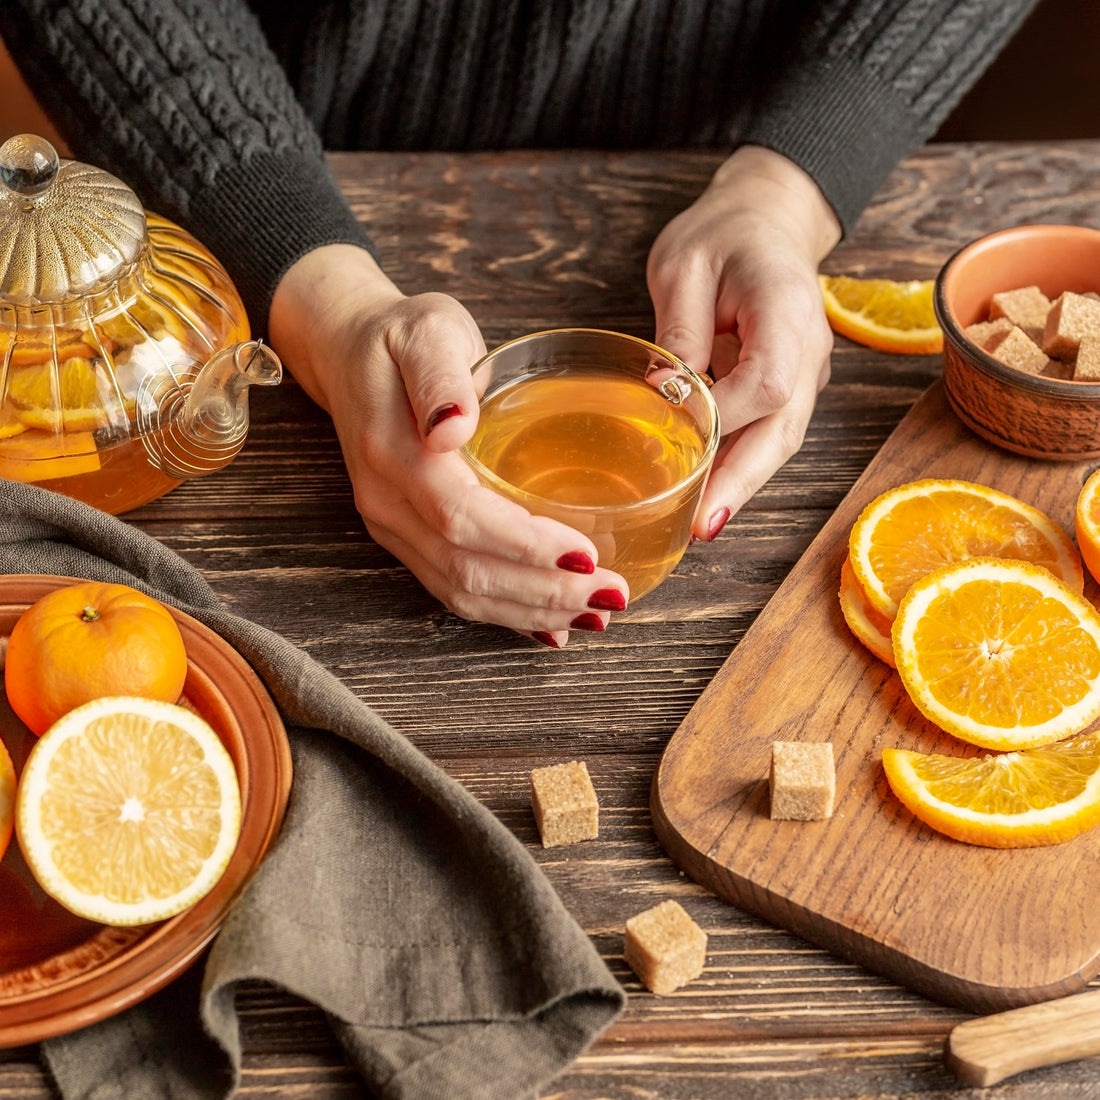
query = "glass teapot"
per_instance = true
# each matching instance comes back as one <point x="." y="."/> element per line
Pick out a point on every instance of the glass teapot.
<point x="125" y="357"/>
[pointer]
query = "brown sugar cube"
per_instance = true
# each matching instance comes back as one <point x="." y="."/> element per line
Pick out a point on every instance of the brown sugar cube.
<point x="802" y="781"/>
<point x="1071" y="317"/>
<point x="565" y="804"/>
<point x="1056" y="368"/>
<point x="987" y="333"/>
<point x="665" y="947"/>
<point x="1087" y="367"/>
<point x="1026" y="307"/>
<point x="1017" y="349"/>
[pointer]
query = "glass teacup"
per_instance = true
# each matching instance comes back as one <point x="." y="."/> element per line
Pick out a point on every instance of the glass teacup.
<point x="604" y="432"/>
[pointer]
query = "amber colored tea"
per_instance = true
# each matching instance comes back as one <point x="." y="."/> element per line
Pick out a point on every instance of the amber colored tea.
<point x="605" y="453"/>
<point x="114" y="480"/>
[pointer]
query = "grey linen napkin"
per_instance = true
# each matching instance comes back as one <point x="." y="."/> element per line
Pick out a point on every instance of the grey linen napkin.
<point x="392" y="899"/>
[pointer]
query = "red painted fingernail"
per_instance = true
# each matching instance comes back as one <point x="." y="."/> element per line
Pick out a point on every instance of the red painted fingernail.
<point x="576" y="561"/>
<point x="607" y="599"/>
<point x="587" y="621"/>
<point x="445" y="412"/>
<point x="546" y="638"/>
<point x="717" y="522"/>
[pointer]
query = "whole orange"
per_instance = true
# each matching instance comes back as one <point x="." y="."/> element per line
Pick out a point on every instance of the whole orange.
<point x="87" y="640"/>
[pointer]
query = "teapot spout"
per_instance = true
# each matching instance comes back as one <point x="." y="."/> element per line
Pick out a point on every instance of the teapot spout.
<point x="201" y="426"/>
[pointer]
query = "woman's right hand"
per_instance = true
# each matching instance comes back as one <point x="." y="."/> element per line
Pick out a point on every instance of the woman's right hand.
<point x="393" y="372"/>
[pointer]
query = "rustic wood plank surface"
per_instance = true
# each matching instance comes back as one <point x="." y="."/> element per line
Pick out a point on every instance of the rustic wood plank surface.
<point x="872" y="882"/>
<point x="536" y="240"/>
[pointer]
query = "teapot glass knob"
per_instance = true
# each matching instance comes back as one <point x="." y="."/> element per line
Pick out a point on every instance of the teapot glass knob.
<point x="28" y="164"/>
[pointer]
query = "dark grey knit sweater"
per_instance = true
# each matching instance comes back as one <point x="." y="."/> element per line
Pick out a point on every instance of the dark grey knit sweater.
<point x="216" y="111"/>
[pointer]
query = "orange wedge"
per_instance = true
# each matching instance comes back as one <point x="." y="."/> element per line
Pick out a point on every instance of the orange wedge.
<point x="1010" y="800"/>
<point x="883" y="313"/>
<point x="913" y="529"/>
<point x="999" y="653"/>
<point x="870" y="626"/>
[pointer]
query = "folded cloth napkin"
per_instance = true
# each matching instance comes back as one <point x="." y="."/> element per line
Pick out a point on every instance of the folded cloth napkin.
<point x="392" y="899"/>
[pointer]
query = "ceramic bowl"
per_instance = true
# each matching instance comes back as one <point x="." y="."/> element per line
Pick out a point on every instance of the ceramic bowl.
<point x="59" y="972"/>
<point x="1029" y="414"/>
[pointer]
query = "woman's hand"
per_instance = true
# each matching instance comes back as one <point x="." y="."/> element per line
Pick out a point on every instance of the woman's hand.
<point x="394" y="374"/>
<point x="734" y="286"/>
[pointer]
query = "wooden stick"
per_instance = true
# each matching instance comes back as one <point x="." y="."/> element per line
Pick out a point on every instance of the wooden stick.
<point x="988" y="1049"/>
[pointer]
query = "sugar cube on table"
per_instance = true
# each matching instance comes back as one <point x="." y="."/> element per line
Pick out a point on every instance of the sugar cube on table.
<point x="565" y="803"/>
<point x="802" y="780"/>
<point x="665" y="947"/>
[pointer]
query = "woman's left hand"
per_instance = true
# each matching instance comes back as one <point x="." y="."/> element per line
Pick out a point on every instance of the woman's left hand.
<point x="734" y="286"/>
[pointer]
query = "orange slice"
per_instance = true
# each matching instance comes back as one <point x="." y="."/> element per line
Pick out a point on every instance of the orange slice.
<point x="10" y="424"/>
<point x="71" y="397"/>
<point x="7" y="797"/>
<point x="999" y="653"/>
<point x="41" y="456"/>
<point x="883" y="314"/>
<point x="909" y="531"/>
<point x="29" y="352"/>
<point x="1086" y="523"/>
<point x="128" y="810"/>
<point x="1010" y="800"/>
<point x="870" y="626"/>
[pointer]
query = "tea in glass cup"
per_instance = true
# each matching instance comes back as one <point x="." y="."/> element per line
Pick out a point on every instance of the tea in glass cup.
<point x="604" y="432"/>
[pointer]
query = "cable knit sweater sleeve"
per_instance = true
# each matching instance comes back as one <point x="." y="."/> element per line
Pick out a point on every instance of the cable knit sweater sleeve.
<point x="868" y="81"/>
<point x="186" y="100"/>
<point x="182" y="99"/>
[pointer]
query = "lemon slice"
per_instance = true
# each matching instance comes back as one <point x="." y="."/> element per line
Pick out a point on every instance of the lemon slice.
<point x="999" y="653"/>
<point x="883" y="313"/>
<point x="1010" y="800"/>
<point x="128" y="810"/>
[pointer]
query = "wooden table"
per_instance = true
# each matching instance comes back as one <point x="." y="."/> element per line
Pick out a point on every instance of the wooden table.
<point x="530" y="241"/>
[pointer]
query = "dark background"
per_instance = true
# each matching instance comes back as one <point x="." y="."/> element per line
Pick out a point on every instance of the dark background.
<point x="1045" y="84"/>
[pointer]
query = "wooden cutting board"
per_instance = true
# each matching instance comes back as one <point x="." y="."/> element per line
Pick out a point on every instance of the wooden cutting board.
<point x="980" y="928"/>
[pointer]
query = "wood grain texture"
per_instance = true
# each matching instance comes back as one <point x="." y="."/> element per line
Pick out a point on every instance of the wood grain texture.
<point x="982" y="929"/>
<point x="988" y="1049"/>
<point x="526" y="240"/>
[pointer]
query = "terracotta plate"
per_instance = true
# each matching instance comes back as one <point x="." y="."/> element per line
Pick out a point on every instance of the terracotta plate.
<point x="59" y="972"/>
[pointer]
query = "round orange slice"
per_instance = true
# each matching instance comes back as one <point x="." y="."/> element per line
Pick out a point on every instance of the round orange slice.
<point x="883" y="313"/>
<point x="1009" y="800"/>
<point x="908" y="531"/>
<point x="72" y="396"/>
<point x="128" y="810"/>
<point x="999" y="653"/>
<point x="867" y="624"/>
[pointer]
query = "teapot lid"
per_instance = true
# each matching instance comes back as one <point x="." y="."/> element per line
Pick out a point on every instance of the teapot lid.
<point x="66" y="229"/>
